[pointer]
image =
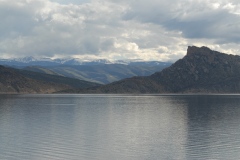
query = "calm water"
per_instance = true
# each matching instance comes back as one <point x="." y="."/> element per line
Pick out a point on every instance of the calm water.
<point x="76" y="127"/>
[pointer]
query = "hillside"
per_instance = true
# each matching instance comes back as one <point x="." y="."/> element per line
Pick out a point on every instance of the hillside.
<point x="72" y="82"/>
<point x="101" y="73"/>
<point x="17" y="81"/>
<point x="201" y="71"/>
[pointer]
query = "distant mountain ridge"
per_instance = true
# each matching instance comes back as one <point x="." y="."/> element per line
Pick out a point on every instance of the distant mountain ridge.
<point x="98" y="71"/>
<point x="31" y="61"/>
<point x="103" y="74"/>
<point x="202" y="70"/>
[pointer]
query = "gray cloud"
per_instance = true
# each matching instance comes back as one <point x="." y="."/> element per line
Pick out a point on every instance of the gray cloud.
<point x="55" y="29"/>
<point x="71" y="1"/>
<point x="15" y="19"/>
<point x="195" y="19"/>
<point x="150" y="30"/>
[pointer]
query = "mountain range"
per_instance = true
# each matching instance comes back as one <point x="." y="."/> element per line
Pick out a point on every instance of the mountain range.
<point x="13" y="81"/>
<point x="202" y="70"/>
<point x="99" y="71"/>
<point x="102" y="74"/>
<point x="31" y="61"/>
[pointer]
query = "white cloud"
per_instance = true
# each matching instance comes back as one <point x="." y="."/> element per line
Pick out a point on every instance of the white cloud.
<point x="150" y="30"/>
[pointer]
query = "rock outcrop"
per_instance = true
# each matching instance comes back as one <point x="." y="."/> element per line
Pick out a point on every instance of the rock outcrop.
<point x="201" y="71"/>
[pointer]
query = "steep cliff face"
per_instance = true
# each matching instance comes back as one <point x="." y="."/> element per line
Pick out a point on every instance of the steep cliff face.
<point x="201" y="71"/>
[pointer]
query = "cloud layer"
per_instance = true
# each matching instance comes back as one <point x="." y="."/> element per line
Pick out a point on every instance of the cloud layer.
<point x="111" y="29"/>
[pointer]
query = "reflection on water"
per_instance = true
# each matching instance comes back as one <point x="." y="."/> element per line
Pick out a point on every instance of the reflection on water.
<point x="213" y="128"/>
<point x="119" y="127"/>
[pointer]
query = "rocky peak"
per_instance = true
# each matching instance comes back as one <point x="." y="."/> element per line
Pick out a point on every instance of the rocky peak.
<point x="198" y="50"/>
<point x="204" y="54"/>
<point x="201" y="71"/>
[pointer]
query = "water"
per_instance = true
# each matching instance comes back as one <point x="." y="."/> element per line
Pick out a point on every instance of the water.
<point x="149" y="127"/>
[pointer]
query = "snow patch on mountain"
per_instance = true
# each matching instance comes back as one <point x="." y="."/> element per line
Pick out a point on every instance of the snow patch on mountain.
<point x="27" y="61"/>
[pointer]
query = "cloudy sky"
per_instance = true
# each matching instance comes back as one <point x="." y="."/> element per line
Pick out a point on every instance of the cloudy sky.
<point x="117" y="29"/>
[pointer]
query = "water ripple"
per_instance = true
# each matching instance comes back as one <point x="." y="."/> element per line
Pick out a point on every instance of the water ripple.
<point x="103" y="127"/>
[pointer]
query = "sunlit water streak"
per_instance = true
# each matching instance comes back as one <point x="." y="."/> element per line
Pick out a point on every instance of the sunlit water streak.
<point x="59" y="127"/>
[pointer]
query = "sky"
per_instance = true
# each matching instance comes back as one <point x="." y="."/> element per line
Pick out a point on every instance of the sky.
<point x="117" y="29"/>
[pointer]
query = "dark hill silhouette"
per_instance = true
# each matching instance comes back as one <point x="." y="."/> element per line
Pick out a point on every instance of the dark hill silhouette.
<point x="201" y="71"/>
<point x="19" y="81"/>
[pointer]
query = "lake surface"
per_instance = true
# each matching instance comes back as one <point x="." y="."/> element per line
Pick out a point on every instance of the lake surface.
<point x="119" y="127"/>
